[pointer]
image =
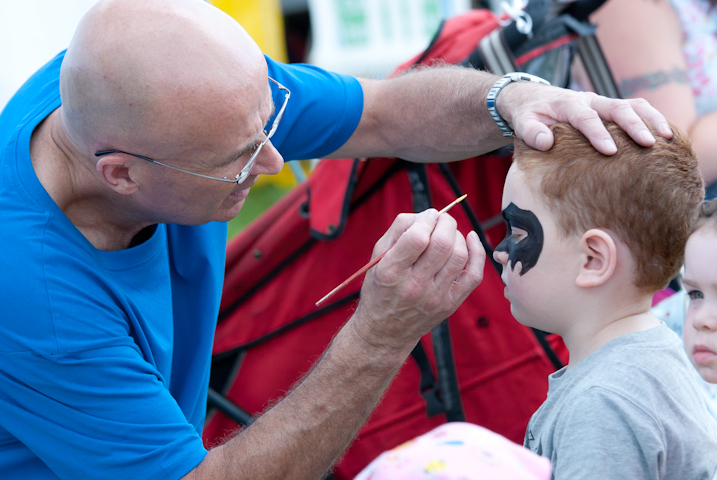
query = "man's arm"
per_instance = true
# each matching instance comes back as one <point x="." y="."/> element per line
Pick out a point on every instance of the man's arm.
<point x="425" y="276"/>
<point x="440" y="114"/>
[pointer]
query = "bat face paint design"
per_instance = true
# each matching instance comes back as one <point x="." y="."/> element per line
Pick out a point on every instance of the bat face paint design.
<point x="527" y="250"/>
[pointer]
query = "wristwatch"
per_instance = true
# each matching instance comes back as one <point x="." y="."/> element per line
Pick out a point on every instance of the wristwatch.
<point x="493" y="96"/>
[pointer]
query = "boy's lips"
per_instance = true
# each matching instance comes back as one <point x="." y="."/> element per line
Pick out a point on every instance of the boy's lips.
<point x="505" y="284"/>
<point x="702" y="354"/>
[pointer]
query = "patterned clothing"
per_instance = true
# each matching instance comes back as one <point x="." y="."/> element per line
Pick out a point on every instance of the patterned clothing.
<point x="458" y="451"/>
<point x="698" y="19"/>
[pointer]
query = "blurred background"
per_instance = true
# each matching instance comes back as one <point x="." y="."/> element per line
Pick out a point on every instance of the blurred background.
<point x="358" y="37"/>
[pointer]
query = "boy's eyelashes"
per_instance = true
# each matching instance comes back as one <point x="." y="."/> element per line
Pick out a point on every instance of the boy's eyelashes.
<point x="517" y="234"/>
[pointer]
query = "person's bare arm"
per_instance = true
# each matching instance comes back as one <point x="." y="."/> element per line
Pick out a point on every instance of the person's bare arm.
<point x="440" y="114"/>
<point x="653" y="67"/>
<point x="419" y="282"/>
<point x="704" y="143"/>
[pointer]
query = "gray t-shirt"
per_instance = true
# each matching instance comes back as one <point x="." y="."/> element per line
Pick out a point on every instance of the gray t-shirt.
<point x="631" y="410"/>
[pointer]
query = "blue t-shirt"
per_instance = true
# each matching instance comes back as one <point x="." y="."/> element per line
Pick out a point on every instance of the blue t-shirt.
<point x="105" y="356"/>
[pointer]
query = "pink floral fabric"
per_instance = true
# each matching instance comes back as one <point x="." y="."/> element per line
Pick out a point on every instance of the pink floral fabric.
<point x="698" y="19"/>
<point x="458" y="451"/>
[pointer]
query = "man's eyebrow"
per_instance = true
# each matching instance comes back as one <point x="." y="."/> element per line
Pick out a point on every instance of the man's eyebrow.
<point x="273" y="109"/>
<point x="235" y="156"/>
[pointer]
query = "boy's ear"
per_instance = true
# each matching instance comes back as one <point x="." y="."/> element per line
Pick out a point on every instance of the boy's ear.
<point x="598" y="258"/>
<point x="115" y="171"/>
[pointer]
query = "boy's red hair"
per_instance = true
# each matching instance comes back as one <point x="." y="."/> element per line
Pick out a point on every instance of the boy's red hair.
<point x="647" y="197"/>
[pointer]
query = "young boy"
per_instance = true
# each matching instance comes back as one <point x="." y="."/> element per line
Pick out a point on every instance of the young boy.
<point x="590" y="239"/>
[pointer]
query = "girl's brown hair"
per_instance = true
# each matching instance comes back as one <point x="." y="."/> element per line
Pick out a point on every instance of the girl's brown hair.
<point x="707" y="215"/>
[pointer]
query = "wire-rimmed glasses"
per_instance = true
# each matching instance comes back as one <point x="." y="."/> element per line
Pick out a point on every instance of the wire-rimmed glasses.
<point x="244" y="173"/>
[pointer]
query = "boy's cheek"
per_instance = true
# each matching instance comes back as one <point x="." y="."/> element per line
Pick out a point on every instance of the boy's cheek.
<point x="524" y="298"/>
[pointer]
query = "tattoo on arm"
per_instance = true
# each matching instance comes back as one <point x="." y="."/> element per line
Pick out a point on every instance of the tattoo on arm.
<point x="630" y="86"/>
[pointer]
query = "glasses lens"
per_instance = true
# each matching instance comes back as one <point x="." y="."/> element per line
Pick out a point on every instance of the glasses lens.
<point x="257" y="147"/>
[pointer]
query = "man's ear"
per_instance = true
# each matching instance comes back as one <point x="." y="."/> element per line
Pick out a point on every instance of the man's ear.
<point x="115" y="172"/>
<point x="598" y="258"/>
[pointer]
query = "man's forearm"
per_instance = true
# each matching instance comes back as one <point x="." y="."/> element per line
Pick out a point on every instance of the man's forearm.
<point x="304" y="434"/>
<point x="429" y="114"/>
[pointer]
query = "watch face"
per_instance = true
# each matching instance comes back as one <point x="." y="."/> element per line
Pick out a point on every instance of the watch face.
<point x="525" y="77"/>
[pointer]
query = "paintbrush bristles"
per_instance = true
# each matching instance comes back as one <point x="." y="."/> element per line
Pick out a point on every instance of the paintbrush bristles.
<point x="454" y="202"/>
<point x="373" y="262"/>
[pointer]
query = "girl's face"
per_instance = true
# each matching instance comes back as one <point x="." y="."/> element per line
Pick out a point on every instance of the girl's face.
<point x="700" y="282"/>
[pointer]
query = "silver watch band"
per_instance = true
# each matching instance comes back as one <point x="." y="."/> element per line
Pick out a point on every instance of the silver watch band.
<point x="493" y="96"/>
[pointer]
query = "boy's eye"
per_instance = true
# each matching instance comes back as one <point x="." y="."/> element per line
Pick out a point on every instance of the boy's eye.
<point x="518" y="234"/>
<point x="695" y="295"/>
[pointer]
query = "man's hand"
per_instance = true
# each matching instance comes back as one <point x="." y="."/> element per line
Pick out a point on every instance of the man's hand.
<point x="427" y="274"/>
<point x="531" y="109"/>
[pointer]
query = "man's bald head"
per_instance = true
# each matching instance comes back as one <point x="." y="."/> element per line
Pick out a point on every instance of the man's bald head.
<point x="160" y="77"/>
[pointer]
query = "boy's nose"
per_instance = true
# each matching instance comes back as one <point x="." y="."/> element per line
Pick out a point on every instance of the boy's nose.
<point x="500" y="257"/>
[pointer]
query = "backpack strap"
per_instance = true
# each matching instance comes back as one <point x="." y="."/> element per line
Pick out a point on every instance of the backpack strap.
<point x="447" y="375"/>
<point x="443" y="396"/>
<point x="593" y="59"/>
<point x="429" y="388"/>
<point x="240" y="416"/>
<point x="494" y="54"/>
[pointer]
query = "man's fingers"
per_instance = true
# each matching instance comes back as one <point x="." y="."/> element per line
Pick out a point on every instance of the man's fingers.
<point x="454" y="264"/>
<point x="566" y="106"/>
<point x="658" y="121"/>
<point x="622" y="113"/>
<point x="411" y="244"/>
<point x="439" y="248"/>
<point x="536" y="134"/>
<point x="585" y="115"/>
<point x="400" y="225"/>
<point x="472" y="276"/>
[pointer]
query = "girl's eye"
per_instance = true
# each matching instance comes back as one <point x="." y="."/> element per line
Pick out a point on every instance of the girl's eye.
<point x="695" y="295"/>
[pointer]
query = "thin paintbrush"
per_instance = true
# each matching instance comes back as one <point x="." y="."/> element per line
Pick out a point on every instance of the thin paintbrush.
<point x="373" y="262"/>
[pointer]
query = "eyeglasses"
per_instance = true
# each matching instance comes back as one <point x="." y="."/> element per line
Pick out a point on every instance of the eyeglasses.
<point x="244" y="173"/>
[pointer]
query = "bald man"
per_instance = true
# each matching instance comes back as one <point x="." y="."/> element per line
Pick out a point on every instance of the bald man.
<point x="120" y="161"/>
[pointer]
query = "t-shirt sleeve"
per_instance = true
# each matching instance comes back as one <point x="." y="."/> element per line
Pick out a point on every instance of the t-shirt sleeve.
<point x="101" y="413"/>
<point x="323" y="111"/>
<point x="604" y="435"/>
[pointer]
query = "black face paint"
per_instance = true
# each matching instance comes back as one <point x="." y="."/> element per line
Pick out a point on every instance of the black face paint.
<point x="528" y="249"/>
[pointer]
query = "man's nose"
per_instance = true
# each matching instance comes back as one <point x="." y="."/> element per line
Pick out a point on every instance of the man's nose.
<point x="269" y="161"/>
